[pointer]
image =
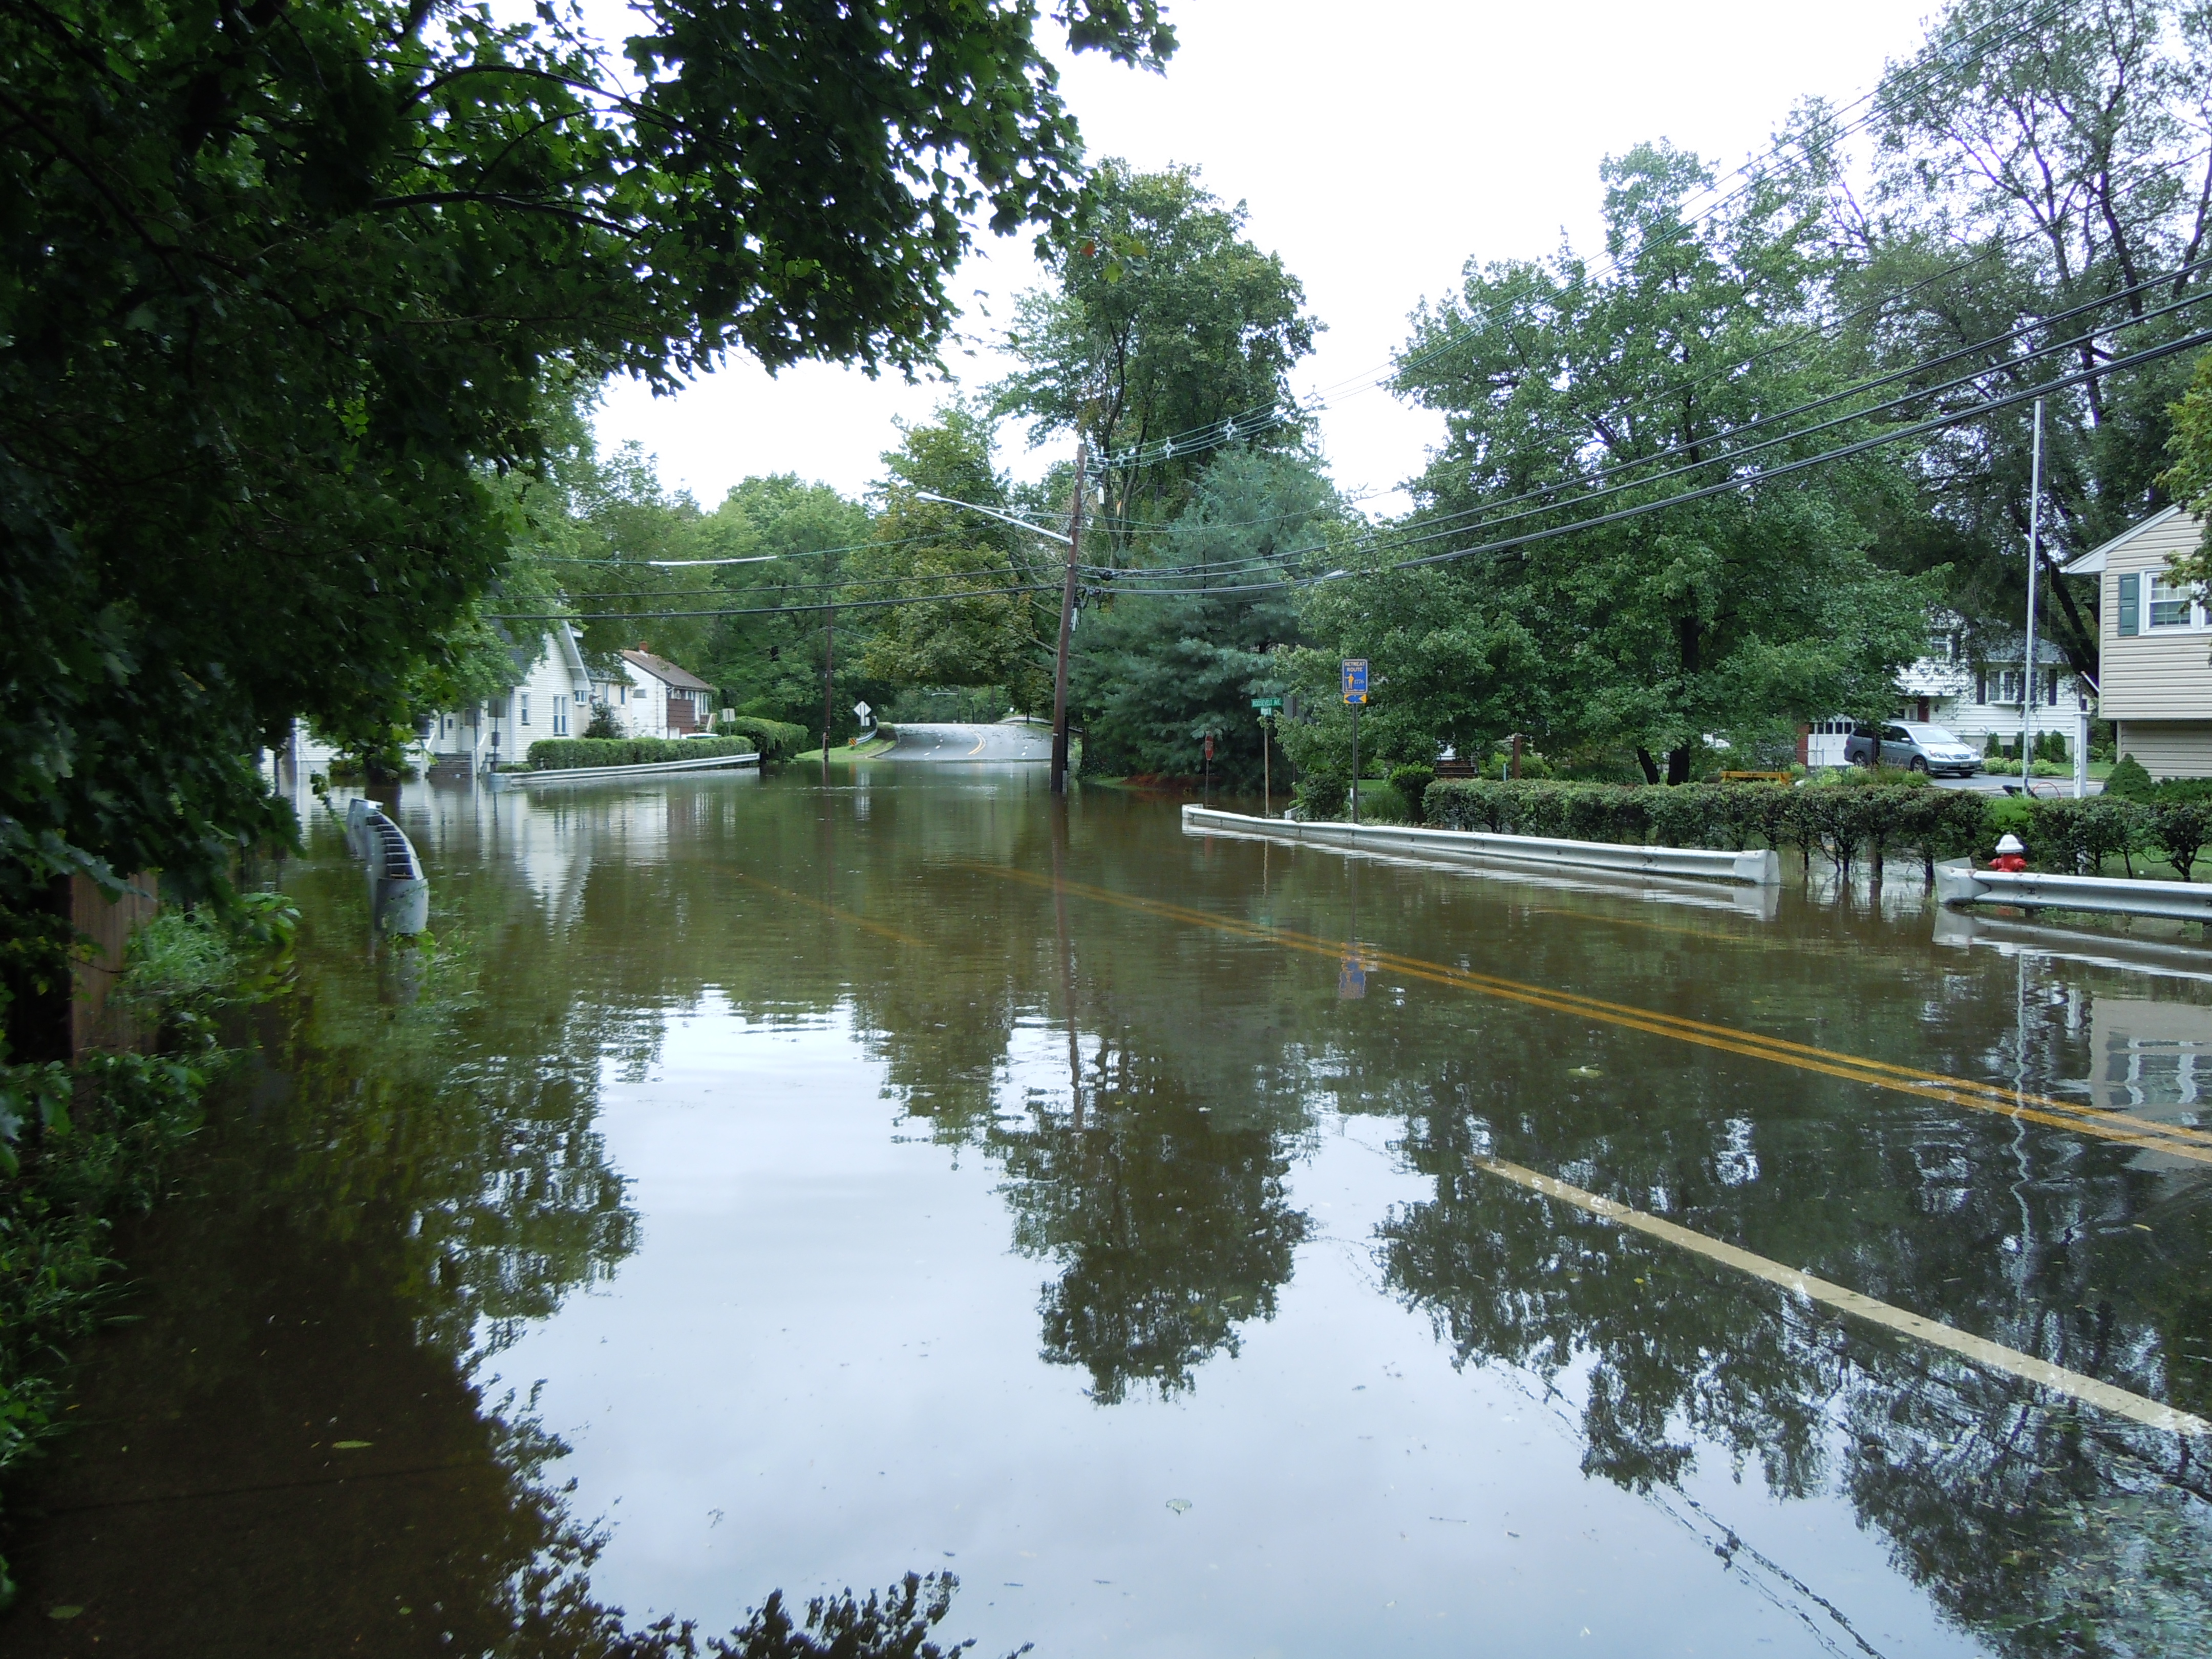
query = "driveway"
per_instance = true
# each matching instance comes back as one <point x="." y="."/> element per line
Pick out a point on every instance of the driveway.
<point x="1983" y="783"/>
<point x="981" y="745"/>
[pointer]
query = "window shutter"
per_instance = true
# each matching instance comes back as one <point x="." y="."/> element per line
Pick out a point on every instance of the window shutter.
<point x="1981" y="687"/>
<point x="2130" y="603"/>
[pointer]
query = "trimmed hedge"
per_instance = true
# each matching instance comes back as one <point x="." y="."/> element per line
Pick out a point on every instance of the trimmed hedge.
<point x="775" y="739"/>
<point x="557" y="754"/>
<point x="1842" y="820"/>
<point x="1839" y="819"/>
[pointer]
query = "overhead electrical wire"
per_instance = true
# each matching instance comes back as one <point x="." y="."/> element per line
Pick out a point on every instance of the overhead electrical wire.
<point x="771" y="610"/>
<point x="1957" y="417"/>
<point x="1753" y="174"/>
<point x="1432" y="528"/>
<point x="1765" y="475"/>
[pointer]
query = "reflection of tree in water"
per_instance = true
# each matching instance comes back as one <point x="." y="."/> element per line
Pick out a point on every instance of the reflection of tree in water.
<point x="2049" y="1528"/>
<point x="460" y="1117"/>
<point x="1168" y="1220"/>
<point x="407" y="1171"/>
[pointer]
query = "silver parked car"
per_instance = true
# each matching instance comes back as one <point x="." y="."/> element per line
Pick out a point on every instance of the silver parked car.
<point x="1917" y="747"/>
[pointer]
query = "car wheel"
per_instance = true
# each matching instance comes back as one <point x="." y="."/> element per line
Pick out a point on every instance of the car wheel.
<point x="1916" y="764"/>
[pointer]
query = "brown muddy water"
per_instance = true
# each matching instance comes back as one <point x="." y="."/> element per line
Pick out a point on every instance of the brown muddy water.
<point x="765" y="1186"/>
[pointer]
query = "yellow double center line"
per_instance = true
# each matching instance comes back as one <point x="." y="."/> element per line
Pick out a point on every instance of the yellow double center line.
<point x="2179" y="1141"/>
<point x="851" y="919"/>
<point x="1982" y="1097"/>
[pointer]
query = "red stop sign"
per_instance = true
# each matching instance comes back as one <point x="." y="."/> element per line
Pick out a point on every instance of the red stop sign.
<point x="1209" y="749"/>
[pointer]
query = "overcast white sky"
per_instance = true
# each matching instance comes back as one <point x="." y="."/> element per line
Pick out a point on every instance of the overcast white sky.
<point x="1379" y="148"/>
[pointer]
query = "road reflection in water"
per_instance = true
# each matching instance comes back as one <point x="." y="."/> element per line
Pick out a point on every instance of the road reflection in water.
<point x="923" y="1174"/>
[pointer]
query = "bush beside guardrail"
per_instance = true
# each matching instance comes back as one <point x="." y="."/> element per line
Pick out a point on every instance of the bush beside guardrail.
<point x="1845" y="821"/>
<point x="775" y="739"/>
<point x="560" y="754"/>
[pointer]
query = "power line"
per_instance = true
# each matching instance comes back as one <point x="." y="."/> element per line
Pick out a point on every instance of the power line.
<point x="1434" y="529"/>
<point x="771" y="610"/>
<point x="1844" y="452"/>
<point x="854" y="581"/>
<point x="1249" y="422"/>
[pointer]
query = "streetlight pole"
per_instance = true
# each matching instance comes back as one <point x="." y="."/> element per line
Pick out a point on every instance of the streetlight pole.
<point x="2035" y="556"/>
<point x="829" y="664"/>
<point x="1060" y="743"/>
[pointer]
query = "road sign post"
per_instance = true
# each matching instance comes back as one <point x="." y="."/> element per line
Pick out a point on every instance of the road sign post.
<point x="1355" y="695"/>
<point x="1267" y="706"/>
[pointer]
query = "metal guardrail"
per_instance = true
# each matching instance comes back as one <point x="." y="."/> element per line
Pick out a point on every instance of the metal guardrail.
<point x="1957" y="881"/>
<point x="644" y="768"/>
<point x="1759" y="869"/>
<point x="399" y="891"/>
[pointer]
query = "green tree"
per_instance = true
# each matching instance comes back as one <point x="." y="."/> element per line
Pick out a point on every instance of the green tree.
<point x="1164" y="324"/>
<point x="1158" y="674"/>
<point x="793" y="534"/>
<point x="280" y="287"/>
<point x="924" y="548"/>
<point x="1568" y="390"/>
<point x="2028" y="167"/>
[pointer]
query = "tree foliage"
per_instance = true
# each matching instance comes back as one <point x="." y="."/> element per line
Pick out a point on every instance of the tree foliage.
<point x="996" y="637"/>
<point x="2028" y="168"/>
<point x="1164" y="324"/>
<point x="280" y="287"/>
<point x="1570" y="389"/>
<point x="1160" y="674"/>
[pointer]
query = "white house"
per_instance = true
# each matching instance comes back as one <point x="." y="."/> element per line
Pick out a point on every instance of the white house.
<point x="550" y="698"/>
<point x="654" y="698"/>
<point x="2155" y="646"/>
<point x="1976" y="695"/>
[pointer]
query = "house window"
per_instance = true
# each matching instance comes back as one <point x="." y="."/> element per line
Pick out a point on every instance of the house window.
<point x="524" y="702"/>
<point x="581" y="695"/>
<point x="1998" y="685"/>
<point x="2169" y="603"/>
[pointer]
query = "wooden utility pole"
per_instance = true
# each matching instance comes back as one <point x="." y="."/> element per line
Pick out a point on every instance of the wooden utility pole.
<point x="829" y="664"/>
<point x="1060" y="744"/>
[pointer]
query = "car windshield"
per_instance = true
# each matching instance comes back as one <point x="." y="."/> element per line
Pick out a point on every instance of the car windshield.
<point x="1932" y="734"/>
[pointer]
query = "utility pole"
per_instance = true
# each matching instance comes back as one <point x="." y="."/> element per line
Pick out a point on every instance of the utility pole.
<point x="1355" y="763"/>
<point x="2035" y="556"/>
<point x="1059" y="743"/>
<point x="829" y="664"/>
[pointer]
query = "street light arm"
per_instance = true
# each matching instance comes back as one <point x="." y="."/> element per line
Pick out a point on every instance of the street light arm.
<point x="993" y="513"/>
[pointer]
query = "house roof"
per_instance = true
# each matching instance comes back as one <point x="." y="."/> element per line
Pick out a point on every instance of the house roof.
<point x="2092" y="564"/>
<point x="661" y="669"/>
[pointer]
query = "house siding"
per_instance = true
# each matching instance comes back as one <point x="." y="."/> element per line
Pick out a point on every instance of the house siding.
<point x="2168" y="749"/>
<point x="2156" y="674"/>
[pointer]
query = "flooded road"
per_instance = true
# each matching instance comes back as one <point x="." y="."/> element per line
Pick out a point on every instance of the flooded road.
<point x="1200" y="1247"/>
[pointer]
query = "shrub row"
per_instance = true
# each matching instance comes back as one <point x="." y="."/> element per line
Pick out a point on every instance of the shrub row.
<point x="1843" y="821"/>
<point x="775" y="739"/>
<point x="2081" y="835"/>
<point x="556" y="754"/>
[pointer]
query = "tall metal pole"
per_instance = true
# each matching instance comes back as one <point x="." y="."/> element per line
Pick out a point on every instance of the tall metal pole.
<point x="2034" y="558"/>
<point x="829" y="665"/>
<point x="1060" y="744"/>
<point x="1355" y="763"/>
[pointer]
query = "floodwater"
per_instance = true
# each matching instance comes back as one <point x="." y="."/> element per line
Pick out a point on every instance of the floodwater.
<point x="765" y="1186"/>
